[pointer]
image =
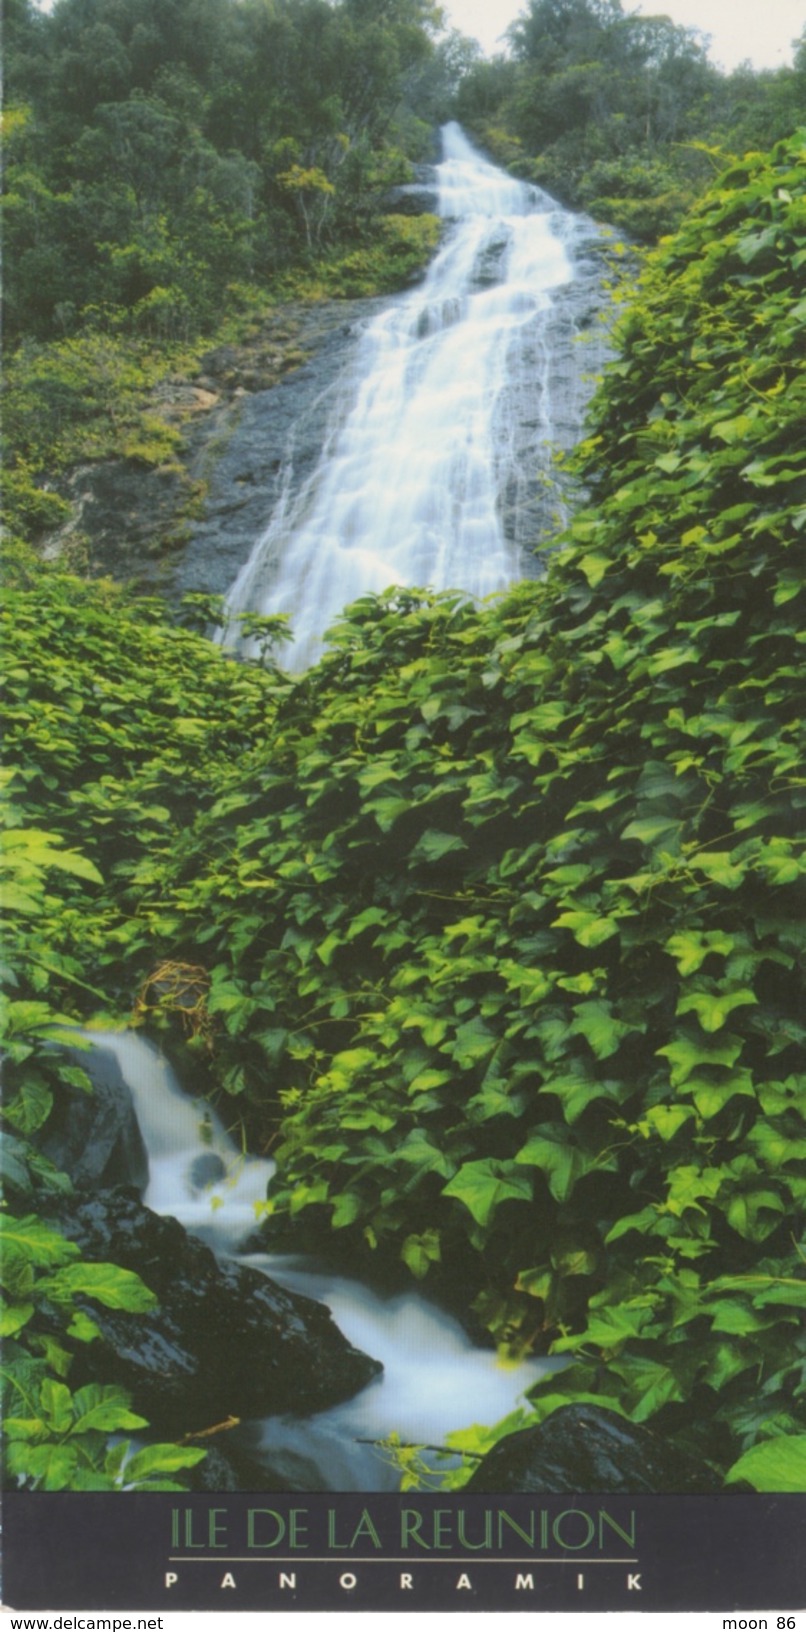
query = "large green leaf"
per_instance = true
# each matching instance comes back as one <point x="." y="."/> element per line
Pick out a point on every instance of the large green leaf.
<point x="108" y="1284"/>
<point x="34" y="1241"/>
<point x="102" y="1407"/>
<point x="160" y="1459"/>
<point x="714" y="1008"/>
<point x="775" y="1465"/>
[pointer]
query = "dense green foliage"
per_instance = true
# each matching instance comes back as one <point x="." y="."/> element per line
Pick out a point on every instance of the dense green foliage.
<point x="102" y="747"/>
<point x="501" y="909"/>
<point x="622" y="114"/>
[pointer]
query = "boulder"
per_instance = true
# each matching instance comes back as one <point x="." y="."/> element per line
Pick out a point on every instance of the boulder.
<point x="583" y="1449"/>
<point x="224" y="1341"/>
<point x="94" y="1137"/>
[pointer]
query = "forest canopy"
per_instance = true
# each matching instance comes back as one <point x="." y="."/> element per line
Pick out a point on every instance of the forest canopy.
<point x="622" y="114"/>
<point x="162" y="152"/>
<point x="165" y="156"/>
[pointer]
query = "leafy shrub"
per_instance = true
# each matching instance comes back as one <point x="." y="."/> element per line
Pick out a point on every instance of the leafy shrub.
<point x="520" y="960"/>
<point x="401" y="248"/>
<point x="645" y="200"/>
<point x="55" y="1439"/>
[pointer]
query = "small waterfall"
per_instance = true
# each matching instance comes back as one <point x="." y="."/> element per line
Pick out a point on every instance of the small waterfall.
<point x="437" y="468"/>
<point x="195" y="1172"/>
<point x="434" y="1379"/>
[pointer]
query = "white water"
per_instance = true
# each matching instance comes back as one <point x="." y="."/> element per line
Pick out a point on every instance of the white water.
<point x="195" y="1172"/>
<point x="434" y="1379"/>
<point x="444" y="424"/>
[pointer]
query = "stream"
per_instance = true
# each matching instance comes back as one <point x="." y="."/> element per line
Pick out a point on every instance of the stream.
<point x="434" y="1378"/>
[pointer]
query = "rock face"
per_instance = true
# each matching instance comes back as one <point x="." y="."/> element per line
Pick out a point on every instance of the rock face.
<point x="584" y="1449"/>
<point x="270" y="433"/>
<point x="225" y="1340"/>
<point x="125" y="515"/>
<point x="141" y="523"/>
<point x="565" y="354"/>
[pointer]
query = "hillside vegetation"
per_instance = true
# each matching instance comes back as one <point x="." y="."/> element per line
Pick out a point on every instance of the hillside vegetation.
<point x="495" y="917"/>
<point x="174" y="171"/>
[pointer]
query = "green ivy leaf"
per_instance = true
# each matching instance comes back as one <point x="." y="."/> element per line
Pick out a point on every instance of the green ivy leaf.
<point x="346" y="1209"/>
<point x="562" y="1161"/>
<point x="434" y="845"/>
<point x="748" y="1214"/>
<point x="419" y="1252"/>
<point x="483" y="1185"/>
<point x="588" y="928"/>
<point x="714" y="1008"/>
<point x="596" y="1022"/>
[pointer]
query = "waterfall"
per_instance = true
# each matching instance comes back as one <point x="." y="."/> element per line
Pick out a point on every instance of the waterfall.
<point x="434" y="1378"/>
<point x="437" y="470"/>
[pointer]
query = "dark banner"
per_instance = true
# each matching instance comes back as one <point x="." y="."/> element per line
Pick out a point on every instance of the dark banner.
<point x="319" y="1552"/>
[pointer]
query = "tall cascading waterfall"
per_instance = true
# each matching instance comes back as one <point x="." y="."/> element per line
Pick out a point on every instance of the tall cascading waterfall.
<point x="434" y="1379"/>
<point x="437" y="469"/>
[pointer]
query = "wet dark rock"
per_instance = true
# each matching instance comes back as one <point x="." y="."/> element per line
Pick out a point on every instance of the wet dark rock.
<point x="583" y="1448"/>
<point x="420" y="197"/>
<point x="94" y="1137"/>
<point x="489" y="268"/>
<point x="224" y="1341"/>
<point x="265" y="443"/>
<point x="206" y="1170"/>
<point x="227" y="1467"/>
<point x="125" y="513"/>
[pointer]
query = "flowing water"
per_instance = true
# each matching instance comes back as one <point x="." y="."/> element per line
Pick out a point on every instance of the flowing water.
<point x="434" y="1379"/>
<point x="437" y="468"/>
